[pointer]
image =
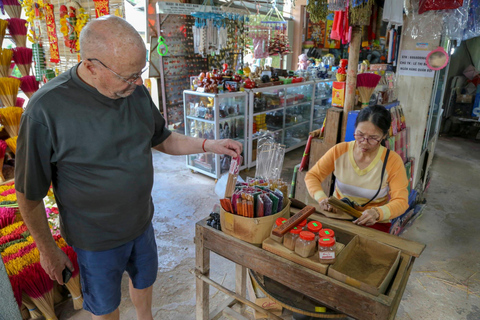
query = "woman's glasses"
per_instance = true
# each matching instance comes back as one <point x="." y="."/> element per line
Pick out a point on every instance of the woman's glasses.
<point x="370" y="140"/>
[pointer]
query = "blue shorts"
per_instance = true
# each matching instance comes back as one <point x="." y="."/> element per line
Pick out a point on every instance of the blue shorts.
<point x="101" y="271"/>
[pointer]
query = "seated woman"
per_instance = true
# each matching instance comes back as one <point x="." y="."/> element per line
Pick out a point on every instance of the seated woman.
<point x="379" y="190"/>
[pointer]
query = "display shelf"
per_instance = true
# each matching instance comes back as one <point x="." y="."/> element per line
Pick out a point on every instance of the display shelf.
<point x="232" y="126"/>
<point x="268" y="111"/>
<point x="297" y="124"/>
<point x="200" y="119"/>
<point x="285" y="97"/>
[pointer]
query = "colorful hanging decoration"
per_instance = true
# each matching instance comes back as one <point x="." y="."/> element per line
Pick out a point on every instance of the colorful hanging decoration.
<point x="259" y="35"/>
<point x="360" y="12"/>
<point x="101" y="8"/>
<point x="318" y="10"/>
<point x="72" y="21"/>
<point x="34" y="13"/>
<point x="52" y="34"/>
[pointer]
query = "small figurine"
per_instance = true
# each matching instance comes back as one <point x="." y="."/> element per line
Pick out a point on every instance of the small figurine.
<point x="303" y="62"/>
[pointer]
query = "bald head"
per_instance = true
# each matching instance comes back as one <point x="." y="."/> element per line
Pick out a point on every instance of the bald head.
<point x="108" y="38"/>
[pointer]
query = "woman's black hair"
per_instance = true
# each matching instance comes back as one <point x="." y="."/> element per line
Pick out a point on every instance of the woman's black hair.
<point x="377" y="115"/>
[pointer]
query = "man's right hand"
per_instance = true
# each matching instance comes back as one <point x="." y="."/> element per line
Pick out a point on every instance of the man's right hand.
<point x="53" y="262"/>
<point x="325" y="206"/>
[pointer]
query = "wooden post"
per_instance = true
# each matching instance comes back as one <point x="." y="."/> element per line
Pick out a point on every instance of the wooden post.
<point x="202" y="265"/>
<point x="241" y="284"/>
<point x="351" y="76"/>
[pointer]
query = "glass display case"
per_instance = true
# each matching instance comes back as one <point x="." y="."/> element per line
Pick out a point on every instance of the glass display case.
<point x="322" y="102"/>
<point x="215" y="116"/>
<point x="286" y="111"/>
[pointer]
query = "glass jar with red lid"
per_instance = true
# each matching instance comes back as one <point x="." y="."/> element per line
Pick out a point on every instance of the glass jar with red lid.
<point x="305" y="245"/>
<point x="326" y="250"/>
<point x="277" y="223"/>
<point x="290" y="238"/>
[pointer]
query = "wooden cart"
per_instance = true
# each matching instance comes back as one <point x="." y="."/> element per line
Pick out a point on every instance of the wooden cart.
<point x="330" y="292"/>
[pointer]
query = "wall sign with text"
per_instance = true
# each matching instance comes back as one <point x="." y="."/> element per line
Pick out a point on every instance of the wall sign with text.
<point x="412" y="63"/>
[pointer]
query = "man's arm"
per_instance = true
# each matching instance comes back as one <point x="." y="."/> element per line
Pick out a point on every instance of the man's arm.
<point x="52" y="258"/>
<point x="178" y="144"/>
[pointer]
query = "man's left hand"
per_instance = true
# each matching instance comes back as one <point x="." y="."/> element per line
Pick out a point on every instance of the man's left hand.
<point x="225" y="146"/>
<point x="369" y="217"/>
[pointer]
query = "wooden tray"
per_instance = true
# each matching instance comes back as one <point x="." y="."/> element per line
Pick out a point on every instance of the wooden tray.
<point x="312" y="262"/>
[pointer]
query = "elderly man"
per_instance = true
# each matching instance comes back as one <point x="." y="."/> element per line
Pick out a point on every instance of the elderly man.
<point x="90" y="132"/>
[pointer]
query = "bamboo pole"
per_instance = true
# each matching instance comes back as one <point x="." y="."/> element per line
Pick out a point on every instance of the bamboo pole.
<point x="351" y="85"/>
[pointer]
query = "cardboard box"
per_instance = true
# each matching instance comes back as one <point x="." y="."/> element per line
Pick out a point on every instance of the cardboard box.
<point x="338" y="94"/>
<point x="366" y="264"/>
<point x="251" y="230"/>
<point x="260" y="299"/>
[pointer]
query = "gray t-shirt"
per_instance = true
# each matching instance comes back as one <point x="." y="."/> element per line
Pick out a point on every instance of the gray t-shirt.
<point x="97" y="153"/>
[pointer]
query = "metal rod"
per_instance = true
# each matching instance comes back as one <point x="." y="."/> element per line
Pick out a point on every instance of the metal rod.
<point x="200" y="276"/>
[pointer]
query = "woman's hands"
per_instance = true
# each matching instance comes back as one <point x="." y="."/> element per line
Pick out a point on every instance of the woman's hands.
<point x="369" y="217"/>
<point x="325" y="206"/>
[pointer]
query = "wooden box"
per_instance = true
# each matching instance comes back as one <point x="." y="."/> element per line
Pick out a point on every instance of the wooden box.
<point x="312" y="262"/>
<point x="366" y="264"/>
<point x="259" y="298"/>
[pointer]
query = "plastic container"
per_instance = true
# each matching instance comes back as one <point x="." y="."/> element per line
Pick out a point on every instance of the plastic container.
<point x="290" y="238"/>
<point x="314" y="227"/>
<point x="327" y="233"/>
<point x="305" y="245"/>
<point x="277" y="223"/>
<point x="303" y="225"/>
<point x="326" y="250"/>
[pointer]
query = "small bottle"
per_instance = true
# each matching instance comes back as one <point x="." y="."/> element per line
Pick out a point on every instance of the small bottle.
<point x="302" y="225"/>
<point x="277" y="223"/>
<point x="327" y="233"/>
<point x="326" y="250"/>
<point x="305" y="245"/>
<point x="314" y="227"/>
<point x="290" y="238"/>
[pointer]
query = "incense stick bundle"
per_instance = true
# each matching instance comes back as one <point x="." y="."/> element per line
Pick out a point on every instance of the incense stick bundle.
<point x="9" y="90"/>
<point x="23" y="59"/>
<point x="3" y="148"/>
<point x="10" y="118"/>
<point x="74" y="284"/>
<point x="29" y="85"/>
<point x="3" y="28"/>
<point x="18" y="31"/>
<point x="338" y="204"/>
<point x="39" y="287"/>
<point x="5" y="62"/>
<point x="32" y="308"/>
<point x="19" y="103"/>
<point x="366" y="83"/>
<point x="24" y="312"/>
<point x="233" y="176"/>
<point x="7" y="215"/>
<point x="13" y="8"/>
<point x="12" y="144"/>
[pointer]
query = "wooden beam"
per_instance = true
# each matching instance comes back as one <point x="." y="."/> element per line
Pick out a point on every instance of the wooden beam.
<point x="218" y="312"/>
<point x="202" y="264"/>
<point x="351" y="85"/>
<point x="241" y="283"/>
<point x="218" y="286"/>
<point x="229" y="313"/>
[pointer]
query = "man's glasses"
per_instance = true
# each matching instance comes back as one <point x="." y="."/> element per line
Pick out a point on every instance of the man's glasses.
<point x="131" y="81"/>
<point x="370" y="140"/>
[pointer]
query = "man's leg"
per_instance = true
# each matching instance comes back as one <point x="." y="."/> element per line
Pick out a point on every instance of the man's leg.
<point x="142" y="299"/>
<point x="115" y="315"/>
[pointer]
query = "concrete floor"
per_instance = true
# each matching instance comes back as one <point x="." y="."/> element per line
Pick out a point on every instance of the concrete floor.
<point x="444" y="283"/>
